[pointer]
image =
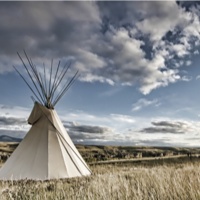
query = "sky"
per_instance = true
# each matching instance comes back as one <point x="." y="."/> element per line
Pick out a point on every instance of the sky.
<point x="138" y="62"/>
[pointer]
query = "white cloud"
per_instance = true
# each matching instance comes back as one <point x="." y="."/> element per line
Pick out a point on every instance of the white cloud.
<point x="197" y="77"/>
<point x="92" y="78"/>
<point x="192" y="28"/>
<point x="123" y="118"/>
<point x="14" y="111"/>
<point x="142" y="103"/>
<point x="13" y="120"/>
<point x="186" y="78"/>
<point x="169" y="13"/>
<point x="128" y="49"/>
<point x="180" y="50"/>
<point x="188" y="62"/>
<point x="159" y="79"/>
<point x="90" y="60"/>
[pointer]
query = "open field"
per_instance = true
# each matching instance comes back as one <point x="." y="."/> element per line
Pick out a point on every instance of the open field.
<point x="170" y="176"/>
<point x="162" y="179"/>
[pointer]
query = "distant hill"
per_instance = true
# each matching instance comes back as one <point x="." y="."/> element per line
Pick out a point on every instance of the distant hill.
<point x="6" y="138"/>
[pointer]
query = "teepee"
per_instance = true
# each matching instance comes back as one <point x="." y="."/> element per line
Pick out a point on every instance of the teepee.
<point x="46" y="152"/>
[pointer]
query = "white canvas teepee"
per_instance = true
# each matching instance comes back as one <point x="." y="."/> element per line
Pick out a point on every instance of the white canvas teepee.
<point x="47" y="151"/>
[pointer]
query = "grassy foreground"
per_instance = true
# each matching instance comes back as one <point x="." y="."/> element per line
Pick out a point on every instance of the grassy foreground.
<point x="138" y="181"/>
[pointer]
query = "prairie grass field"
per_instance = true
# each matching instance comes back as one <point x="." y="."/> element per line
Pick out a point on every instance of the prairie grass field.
<point x="159" y="179"/>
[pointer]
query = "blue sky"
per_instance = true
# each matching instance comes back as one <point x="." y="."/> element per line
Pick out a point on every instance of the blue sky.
<point x="138" y="61"/>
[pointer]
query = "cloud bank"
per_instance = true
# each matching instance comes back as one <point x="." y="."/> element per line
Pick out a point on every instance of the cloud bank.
<point x="113" y="129"/>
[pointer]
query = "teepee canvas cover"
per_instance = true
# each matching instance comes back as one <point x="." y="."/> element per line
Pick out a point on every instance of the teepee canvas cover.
<point x="46" y="152"/>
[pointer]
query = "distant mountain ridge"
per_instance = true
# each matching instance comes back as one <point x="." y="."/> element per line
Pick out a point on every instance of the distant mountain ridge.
<point x="6" y="138"/>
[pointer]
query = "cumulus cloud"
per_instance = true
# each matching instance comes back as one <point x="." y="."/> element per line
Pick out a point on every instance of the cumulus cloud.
<point x="127" y="43"/>
<point x="167" y="12"/>
<point x="13" y="126"/>
<point x="174" y="127"/>
<point x="11" y="121"/>
<point x="87" y="133"/>
<point x="86" y="128"/>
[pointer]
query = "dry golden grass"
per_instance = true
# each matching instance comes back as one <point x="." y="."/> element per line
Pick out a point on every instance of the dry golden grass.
<point x="164" y="181"/>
